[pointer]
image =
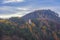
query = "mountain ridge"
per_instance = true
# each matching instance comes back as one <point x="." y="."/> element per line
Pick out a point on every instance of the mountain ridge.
<point x="42" y="14"/>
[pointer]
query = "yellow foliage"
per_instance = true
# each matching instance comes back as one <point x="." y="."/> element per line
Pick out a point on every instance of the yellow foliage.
<point x="29" y="26"/>
<point x="44" y="27"/>
<point x="33" y="24"/>
<point x="5" y="21"/>
<point x="2" y="20"/>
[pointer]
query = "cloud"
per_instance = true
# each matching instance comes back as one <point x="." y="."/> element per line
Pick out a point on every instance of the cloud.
<point x="7" y="11"/>
<point x="56" y="9"/>
<point x="11" y="10"/>
<point x="9" y="1"/>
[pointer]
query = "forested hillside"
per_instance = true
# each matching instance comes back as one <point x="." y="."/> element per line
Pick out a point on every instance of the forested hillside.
<point x="37" y="25"/>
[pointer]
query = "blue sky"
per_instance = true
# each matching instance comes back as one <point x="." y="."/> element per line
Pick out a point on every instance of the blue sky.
<point x="9" y="8"/>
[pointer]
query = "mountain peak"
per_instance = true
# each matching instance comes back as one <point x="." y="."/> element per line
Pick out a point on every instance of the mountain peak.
<point x="41" y="14"/>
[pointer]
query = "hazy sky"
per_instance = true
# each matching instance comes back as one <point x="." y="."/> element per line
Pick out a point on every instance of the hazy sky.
<point x="10" y="8"/>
